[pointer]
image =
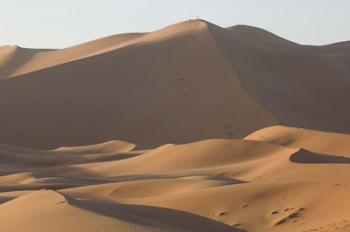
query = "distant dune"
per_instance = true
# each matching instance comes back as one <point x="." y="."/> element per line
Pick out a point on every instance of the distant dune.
<point x="192" y="127"/>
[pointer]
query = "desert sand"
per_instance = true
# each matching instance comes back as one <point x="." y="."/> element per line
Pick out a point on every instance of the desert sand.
<point x="192" y="127"/>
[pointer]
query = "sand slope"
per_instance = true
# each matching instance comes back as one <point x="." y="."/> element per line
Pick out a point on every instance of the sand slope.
<point x="293" y="81"/>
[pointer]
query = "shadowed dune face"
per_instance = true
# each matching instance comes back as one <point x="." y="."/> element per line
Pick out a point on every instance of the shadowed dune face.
<point x="292" y="81"/>
<point x="308" y="157"/>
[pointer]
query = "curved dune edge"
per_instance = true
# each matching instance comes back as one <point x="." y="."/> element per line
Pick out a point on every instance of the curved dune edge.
<point x="312" y="140"/>
<point x="106" y="147"/>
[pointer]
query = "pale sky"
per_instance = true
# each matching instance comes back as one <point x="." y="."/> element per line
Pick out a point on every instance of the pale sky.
<point x="62" y="23"/>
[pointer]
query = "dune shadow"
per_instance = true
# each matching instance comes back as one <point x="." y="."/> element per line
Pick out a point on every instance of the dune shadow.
<point x="127" y="212"/>
<point x="4" y="199"/>
<point x="55" y="178"/>
<point x="307" y="157"/>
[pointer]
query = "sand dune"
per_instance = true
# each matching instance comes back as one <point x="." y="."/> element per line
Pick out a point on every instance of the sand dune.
<point x="132" y="91"/>
<point x="279" y="183"/>
<point x="192" y="127"/>
<point x="130" y="85"/>
<point x="316" y="141"/>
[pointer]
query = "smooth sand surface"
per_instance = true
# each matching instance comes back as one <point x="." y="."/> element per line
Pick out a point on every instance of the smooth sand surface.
<point x="192" y="127"/>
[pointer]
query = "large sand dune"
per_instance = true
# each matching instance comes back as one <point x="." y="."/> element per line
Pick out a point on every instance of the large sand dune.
<point x="179" y="129"/>
<point x="198" y="79"/>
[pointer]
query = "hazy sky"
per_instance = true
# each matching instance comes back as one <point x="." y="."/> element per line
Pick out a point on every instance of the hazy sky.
<point x="61" y="23"/>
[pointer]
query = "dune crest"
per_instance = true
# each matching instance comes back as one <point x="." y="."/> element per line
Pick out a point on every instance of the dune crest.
<point x="106" y="147"/>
